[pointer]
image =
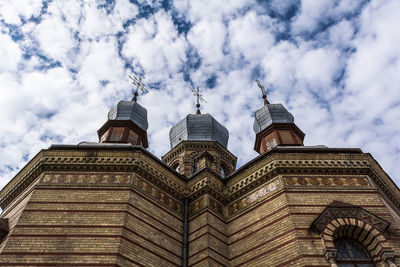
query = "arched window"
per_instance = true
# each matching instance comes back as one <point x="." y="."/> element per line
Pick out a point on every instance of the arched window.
<point x="195" y="167"/>
<point x="350" y="253"/>
<point x="223" y="171"/>
<point x="176" y="166"/>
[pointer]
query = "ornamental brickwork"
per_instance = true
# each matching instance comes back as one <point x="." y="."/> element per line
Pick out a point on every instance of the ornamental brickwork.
<point x="121" y="206"/>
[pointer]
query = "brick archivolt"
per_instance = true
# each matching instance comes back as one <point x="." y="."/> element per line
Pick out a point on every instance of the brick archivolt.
<point x="371" y="238"/>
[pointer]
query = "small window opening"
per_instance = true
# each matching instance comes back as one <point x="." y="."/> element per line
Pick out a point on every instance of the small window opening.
<point x="195" y="166"/>
<point x="176" y="167"/>
<point x="222" y="172"/>
<point x="351" y="253"/>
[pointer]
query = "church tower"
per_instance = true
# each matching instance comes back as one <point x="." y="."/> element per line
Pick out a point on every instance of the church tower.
<point x="197" y="142"/>
<point x="127" y="121"/>
<point x="274" y="126"/>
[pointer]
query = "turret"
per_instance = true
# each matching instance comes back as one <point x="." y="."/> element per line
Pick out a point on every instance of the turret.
<point x="127" y="122"/>
<point x="274" y="126"/>
<point x="199" y="141"/>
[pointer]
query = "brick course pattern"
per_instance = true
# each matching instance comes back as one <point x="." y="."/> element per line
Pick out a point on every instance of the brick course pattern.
<point x="125" y="208"/>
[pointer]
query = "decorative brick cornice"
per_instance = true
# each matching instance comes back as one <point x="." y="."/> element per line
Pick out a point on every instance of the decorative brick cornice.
<point x="92" y="161"/>
<point x="337" y="168"/>
<point x="342" y="210"/>
<point x="201" y="146"/>
<point x="205" y="181"/>
<point x="309" y="164"/>
<point x="287" y="167"/>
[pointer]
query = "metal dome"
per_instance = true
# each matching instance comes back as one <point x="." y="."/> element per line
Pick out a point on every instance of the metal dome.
<point x="269" y="114"/>
<point x="130" y="110"/>
<point x="198" y="127"/>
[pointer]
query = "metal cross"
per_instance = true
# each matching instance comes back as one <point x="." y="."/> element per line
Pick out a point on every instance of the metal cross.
<point x="263" y="91"/>
<point x="139" y="85"/>
<point x="196" y="92"/>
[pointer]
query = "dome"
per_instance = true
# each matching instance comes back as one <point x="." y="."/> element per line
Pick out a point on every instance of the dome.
<point x="269" y="114"/>
<point x="130" y="110"/>
<point x="198" y="127"/>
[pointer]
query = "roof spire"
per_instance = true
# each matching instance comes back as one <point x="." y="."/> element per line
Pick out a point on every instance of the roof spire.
<point x="196" y="92"/>
<point x="263" y="91"/>
<point x="139" y="85"/>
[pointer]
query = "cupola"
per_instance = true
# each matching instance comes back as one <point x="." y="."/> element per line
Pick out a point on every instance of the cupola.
<point x="274" y="126"/>
<point x="199" y="127"/>
<point x="199" y="141"/>
<point x="127" y="122"/>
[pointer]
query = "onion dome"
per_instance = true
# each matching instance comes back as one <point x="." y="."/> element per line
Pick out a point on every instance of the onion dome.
<point x="274" y="126"/>
<point x="198" y="127"/>
<point x="269" y="114"/>
<point x="127" y="123"/>
<point x="130" y="110"/>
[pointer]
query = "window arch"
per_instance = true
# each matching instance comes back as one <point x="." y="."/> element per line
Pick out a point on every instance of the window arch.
<point x="224" y="170"/>
<point x="345" y="221"/>
<point x="195" y="165"/>
<point x="176" y="166"/>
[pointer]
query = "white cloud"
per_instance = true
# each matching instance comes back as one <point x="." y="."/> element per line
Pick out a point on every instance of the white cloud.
<point x="342" y="33"/>
<point x="313" y="13"/>
<point x="208" y="38"/>
<point x="251" y="36"/>
<point x="317" y="68"/>
<point x="13" y="11"/>
<point x="68" y="102"/>
<point x="10" y="54"/>
<point x="155" y="45"/>
<point x="198" y="10"/>
<point x="55" y="38"/>
<point x="100" y="59"/>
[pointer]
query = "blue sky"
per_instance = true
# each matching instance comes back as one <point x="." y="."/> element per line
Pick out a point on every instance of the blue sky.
<point x="333" y="63"/>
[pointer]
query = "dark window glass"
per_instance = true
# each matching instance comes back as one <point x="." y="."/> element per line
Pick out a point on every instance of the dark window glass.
<point x="351" y="253"/>
<point x="195" y="166"/>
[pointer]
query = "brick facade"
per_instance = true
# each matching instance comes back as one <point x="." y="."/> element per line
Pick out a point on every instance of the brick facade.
<point x="111" y="206"/>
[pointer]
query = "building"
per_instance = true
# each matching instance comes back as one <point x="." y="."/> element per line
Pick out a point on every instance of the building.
<point x="113" y="203"/>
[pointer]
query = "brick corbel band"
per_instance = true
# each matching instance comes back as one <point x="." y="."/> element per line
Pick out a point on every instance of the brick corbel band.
<point x="330" y="255"/>
<point x="388" y="257"/>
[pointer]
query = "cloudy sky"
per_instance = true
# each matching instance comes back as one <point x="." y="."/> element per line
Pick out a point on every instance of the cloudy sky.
<point x="333" y="63"/>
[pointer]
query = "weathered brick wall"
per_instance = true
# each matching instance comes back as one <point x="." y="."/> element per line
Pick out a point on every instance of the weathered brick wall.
<point x="264" y="233"/>
<point x="306" y="205"/>
<point x="208" y="244"/>
<point x="86" y="220"/>
<point x="14" y="210"/>
<point x="152" y="234"/>
<point x="68" y="225"/>
<point x="260" y="217"/>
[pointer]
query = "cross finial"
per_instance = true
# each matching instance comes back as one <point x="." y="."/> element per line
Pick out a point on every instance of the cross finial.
<point x="263" y="91"/>
<point x="139" y="85"/>
<point x="196" y="92"/>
